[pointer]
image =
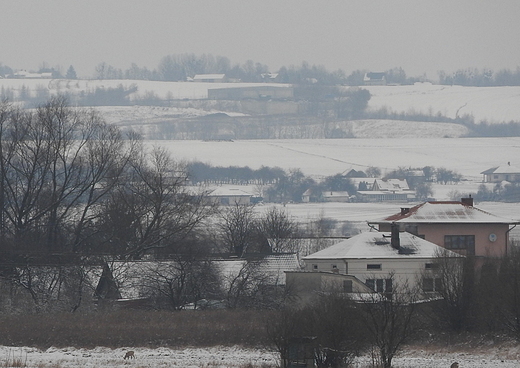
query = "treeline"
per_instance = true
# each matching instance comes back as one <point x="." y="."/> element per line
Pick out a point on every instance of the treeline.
<point x="273" y="184"/>
<point x="500" y="192"/>
<point x="181" y="67"/>
<point x="481" y="78"/>
<point x="70" y="184"/>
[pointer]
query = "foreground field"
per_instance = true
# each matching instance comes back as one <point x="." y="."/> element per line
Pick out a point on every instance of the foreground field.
<point x="201" y="339"/>
<point x="238" y="357"/>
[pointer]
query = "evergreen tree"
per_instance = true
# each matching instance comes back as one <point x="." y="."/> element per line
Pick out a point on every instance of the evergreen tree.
<point x="71" y="73"/>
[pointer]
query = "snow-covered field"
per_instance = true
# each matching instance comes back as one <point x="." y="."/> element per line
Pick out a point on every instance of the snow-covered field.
<point x="235" y="357"/>
<point x="324" y="157"/>
<point x="495" y="104"/>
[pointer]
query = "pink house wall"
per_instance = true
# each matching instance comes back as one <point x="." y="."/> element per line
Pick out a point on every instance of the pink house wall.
<point x="484" y="247"/>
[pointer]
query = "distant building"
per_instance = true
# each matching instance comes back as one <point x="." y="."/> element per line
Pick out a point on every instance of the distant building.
<point x="366" y="263"/>
<point x="374" y="79"/>
<point x="230" y="196"/>
<point x="387" y="190"/>
<point x="501" y="173"/>
<point x="24" y="74"/>
<point x="210" y="78"/>
<point x="457" y="226"/>
<point x="335" y="196"/>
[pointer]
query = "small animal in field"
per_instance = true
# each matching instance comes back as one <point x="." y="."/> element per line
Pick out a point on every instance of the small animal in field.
<point x="454" y="365"/>
<point x="130" y="355"/>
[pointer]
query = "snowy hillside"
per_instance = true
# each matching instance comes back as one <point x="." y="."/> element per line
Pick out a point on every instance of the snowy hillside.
<point x="495" y="104"/>
<point x="323" y="157"/>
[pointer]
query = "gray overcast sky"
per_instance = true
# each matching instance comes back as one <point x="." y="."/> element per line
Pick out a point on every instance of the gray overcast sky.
<point x="419" y="36"/>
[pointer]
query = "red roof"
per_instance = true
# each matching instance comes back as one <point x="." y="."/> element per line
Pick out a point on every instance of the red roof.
<point x="444" y="212"/>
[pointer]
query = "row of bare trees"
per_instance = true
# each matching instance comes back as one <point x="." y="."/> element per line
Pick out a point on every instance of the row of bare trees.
<point x="76" y="193"/>
<point x="72" y="184"/>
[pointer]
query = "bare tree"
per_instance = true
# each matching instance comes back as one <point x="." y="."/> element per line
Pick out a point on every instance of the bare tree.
<point x="55" y="163"/>
<point x="455" y="278"/>
<point x="389" y="318"/>
<point x="331" y="327"/>
<point x="153" y="208"/>
<point x="237" y="227"/>
<point x="180" y="281"/>
<point x="509" y="291"/>
<point x="277" y="226"/>
<point x="245" y="287"/>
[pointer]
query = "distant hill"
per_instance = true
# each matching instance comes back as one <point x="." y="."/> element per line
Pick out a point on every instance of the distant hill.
<point x="490" y="104"/>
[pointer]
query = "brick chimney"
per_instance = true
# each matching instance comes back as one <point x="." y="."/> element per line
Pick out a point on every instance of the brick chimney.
<point x="394" y="240"/>
<point x="467" y="201"/>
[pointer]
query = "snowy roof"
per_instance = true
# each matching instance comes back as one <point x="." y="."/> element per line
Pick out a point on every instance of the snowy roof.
<point x="209" y="76"/>
<point x="229" y="192"/>
<point x="392" y="184"/>
<point x="375" y="245"/>
<point x="504" y="169"/>
<point x="445" y="212"/>
<point x="272" y="265"/>
<point x="374" y="76"/>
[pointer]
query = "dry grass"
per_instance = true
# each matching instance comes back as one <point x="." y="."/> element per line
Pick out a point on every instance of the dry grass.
<point x="136" y="328"/>
<point x="13" y="361"/>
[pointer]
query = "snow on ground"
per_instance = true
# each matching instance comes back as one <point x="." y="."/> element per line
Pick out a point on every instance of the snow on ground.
<point x="146" y="115"/>
<point x="214" y="357"/>
<point x="376" y="128"/>
<point x="495" y="104"/>
<point x="163" y="90"/>
<point x="236" y="357"/>
<point x="324" y="157"/>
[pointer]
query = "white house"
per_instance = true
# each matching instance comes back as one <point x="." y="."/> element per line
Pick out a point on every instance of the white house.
<point x="374" y="79"/>
<point x="391" y="190"/>
<point x="374" y="260"/>
<point x="230" y="196"/>
<point x="501" y="173"/>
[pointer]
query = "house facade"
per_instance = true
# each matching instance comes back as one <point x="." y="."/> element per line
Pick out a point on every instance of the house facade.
<point x="369" y="262"/>
<point x="501" y="173"/>
<point x="456" y="226"/>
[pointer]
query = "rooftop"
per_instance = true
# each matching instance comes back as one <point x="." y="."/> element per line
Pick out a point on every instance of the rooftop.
<point x="444" y="212"/>
<point x="376" y="245"/>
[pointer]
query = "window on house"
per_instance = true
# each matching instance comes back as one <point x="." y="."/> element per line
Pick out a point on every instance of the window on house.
<point x="412" y="229"/>
<point x="334" y="267"/>
<point x="347" y="286"/>
<point x="380" y="285"/>
<point x="431" y="284"/>
<point x="373" y="266"/>
<point x="314" y="266"/>
<point x="431" y="266"/>
<point x="460" y="242"/>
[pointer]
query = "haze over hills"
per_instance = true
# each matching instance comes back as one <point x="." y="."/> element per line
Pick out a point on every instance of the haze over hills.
<point x="489" y="104"/>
